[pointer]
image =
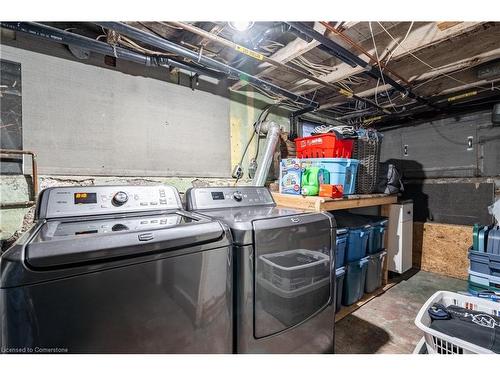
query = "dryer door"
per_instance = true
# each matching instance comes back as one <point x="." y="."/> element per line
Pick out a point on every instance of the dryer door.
<point x="292" y="270"/>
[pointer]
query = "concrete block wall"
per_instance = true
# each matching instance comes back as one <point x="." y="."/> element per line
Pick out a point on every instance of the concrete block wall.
<point x="91" y="124"/>
<point x="14" y="221"/>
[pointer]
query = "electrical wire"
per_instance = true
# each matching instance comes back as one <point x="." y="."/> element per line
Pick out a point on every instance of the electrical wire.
<point x="429" y="65"/>
<point x="378" y="65"/>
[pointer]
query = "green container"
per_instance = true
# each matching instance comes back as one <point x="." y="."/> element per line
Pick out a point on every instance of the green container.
<point x="312" y="177"/>
<point x="475" y="237"/>
<point x="475" y="288"/>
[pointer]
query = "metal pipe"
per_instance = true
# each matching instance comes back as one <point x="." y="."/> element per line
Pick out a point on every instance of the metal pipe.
<point x="64" y="37"/>
<point x="370" y="70"/>
<point x="171" y="47"/>
<point x="360" y="49"/>
<point x="34" y="173"/>
<point x="260" y="57"/>
<point x="273" y="132"/>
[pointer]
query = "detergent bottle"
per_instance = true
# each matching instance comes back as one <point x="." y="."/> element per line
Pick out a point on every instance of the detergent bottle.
<point x="312" y="177"/>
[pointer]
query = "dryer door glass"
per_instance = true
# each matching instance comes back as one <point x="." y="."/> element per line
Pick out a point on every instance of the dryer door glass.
<point x="292" y="274"/>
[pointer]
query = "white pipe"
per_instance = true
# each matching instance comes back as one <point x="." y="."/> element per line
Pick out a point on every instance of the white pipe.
<point x="273" y="132"/>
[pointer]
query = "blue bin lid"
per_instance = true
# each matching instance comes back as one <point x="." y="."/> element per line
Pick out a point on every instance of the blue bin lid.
<point x="332" y="160"/>
<point x="376" y="220"/>
<point x="351" y="221"/>
<point x="342" y="231"/>
<point x="339" y="271"/>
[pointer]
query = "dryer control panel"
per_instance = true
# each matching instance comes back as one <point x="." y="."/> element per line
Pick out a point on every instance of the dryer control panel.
<point x="228" y="197"/>
<point x="61" y="202"/>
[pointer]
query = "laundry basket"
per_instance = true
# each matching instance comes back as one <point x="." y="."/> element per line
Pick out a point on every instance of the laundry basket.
<point x="440" y="343"/>
<point x="367" y="150"/>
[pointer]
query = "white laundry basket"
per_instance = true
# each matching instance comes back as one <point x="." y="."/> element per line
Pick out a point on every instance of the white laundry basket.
<point x="440" y="343"/>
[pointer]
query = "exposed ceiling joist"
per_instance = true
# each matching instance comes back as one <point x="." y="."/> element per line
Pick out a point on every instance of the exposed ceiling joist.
<point x="466" y="51"/>
<point x="292" y="50"/>
<point x="423" y="35"/>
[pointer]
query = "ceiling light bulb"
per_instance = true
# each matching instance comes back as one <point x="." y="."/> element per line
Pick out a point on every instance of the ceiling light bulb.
<point x="241" y="25"/>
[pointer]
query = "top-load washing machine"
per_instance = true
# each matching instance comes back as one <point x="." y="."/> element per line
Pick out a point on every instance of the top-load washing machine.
<point x="117" y="269"/>
<point x="284" y="270"/>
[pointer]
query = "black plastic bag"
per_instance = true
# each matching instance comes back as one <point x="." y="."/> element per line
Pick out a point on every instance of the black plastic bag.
<point x="389" y="179"/>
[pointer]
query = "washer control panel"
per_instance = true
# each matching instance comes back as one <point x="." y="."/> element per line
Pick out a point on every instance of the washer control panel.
<point x="227" y="197"/>
<point x="97" y="200"/>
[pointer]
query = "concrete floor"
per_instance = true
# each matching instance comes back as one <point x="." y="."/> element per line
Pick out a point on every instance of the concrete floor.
<point x="386" y="325"/>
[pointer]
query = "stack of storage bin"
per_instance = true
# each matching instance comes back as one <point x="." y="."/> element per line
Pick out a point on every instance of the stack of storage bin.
<point x="364" y="255"/>
<point x="328" y="152"/>
<point x="484" y="256"/>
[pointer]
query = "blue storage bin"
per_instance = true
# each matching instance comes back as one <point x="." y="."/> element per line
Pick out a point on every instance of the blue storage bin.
<point x="354" y="281"/>
<point x="341" y="245"/>
<point x="342" y="171"/>
<point x="374" y="274"/>
<point x="484" y="263"/>
<point x="358" y="235"/>
<point x="339" y="283"/>
<point x="376" y="240"/>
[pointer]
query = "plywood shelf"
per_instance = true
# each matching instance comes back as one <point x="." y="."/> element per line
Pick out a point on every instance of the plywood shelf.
<point x="347" y="310"/>
<point x="332" y="204"/>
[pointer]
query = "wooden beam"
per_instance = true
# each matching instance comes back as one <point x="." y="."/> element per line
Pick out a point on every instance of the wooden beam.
<point x="424" y="35"/>
<point x="329" y="204"/>
<point x="295" y="48"/>
<point x="463" y="52"/>
<point x="446" y="25"/>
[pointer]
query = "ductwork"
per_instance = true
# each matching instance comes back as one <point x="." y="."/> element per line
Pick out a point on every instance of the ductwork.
<point x="168" y="46"/>
<point x="64" y="37"/>
<point x="273" y="134"/>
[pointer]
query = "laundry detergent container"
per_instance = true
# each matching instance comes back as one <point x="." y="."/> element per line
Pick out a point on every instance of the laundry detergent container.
<point x="354" y="281"/>
<point x="377" y="235"/>
<point x="359" y="232"/>
<point x="342" y="171"/>
<point x="374" y="272"/>
<point x="339" y="285"/>
<point x="340" y="246"/>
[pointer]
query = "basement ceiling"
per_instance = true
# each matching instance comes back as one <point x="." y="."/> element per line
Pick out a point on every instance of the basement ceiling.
<point x="437" y="61"/>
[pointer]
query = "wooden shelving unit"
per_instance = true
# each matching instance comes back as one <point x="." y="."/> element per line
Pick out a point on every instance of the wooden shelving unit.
<point x="348" y="202"/>
<point x="331" y="204"/>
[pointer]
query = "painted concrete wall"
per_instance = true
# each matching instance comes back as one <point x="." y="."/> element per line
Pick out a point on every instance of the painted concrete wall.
<point x="243" y="113"/>
<point x="82" y="119"/>
<point x="93" y="124"/>
<point x="14" y="221"/>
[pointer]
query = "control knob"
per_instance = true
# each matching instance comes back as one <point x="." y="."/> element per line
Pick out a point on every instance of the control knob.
<point x="119" y="227"/>
<point x="237" y="196"/>
<point x="120" y="198"/>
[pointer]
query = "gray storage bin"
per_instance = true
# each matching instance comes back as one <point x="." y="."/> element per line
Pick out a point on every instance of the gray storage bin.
<point x="485" y="263"/>
<point x="294" y="269"/>
<point x="374" y="269"/>
<point x="354" y="281"/>
<point x="291" y="307"/>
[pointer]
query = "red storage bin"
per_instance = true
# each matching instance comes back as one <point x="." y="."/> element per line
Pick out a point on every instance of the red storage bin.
<point x="323" y="146"/>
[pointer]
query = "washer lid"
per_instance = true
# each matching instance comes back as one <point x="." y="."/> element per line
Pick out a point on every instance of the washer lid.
<point x="240" y="220"/>
<point x="76" y="242"/>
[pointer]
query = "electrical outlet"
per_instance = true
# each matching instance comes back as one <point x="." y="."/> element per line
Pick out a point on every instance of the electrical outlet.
<point x="405" y="150"/>
<point x="470" y="145"/>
